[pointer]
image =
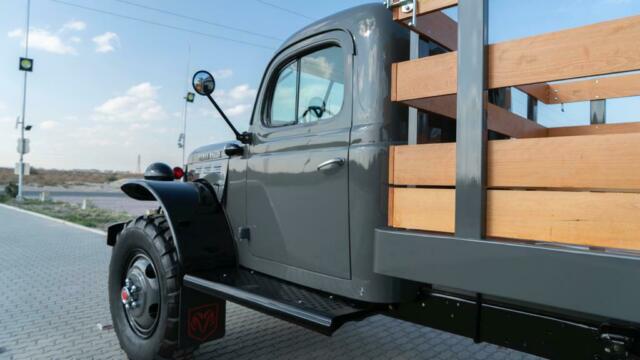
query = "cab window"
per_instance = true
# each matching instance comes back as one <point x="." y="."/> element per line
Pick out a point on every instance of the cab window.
<point x="283" y="104"/>
<point x="309" y="89"/>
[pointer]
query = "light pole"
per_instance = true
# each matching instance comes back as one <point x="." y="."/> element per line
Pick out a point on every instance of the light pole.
<point x="187" y="99"/>
<point x="26" y="65"/>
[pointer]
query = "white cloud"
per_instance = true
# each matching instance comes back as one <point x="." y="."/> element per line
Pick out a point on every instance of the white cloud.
<point x="236" y="102"/>
<point x="138" y="104"/>
<point x="74" y="25"/>
<point x="106" y="42"/>
<point x="49" y="124"/>
<point x="239" y="94"/>
<point x="223" y="73"/>
<point x="15" y="33"/>
<point x="44" y="40"/>
<point x="75" y="39"/>
<point x="4" y="120"/>
<point x="238" y="110"/>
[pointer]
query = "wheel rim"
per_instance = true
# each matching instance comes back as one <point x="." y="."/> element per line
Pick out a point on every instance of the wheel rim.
<point x="140" y="295"/>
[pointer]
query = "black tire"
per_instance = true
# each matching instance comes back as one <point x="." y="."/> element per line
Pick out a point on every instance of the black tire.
<point x="147" y="238"/>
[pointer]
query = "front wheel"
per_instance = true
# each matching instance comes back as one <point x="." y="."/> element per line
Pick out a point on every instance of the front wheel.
<point x="144" y="290"/>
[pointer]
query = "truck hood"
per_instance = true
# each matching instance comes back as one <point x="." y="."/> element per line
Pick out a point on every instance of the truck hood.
<point x="209" y="152"/>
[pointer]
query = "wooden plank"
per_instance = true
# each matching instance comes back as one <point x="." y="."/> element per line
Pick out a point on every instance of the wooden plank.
<point x="429" y="76"/>
<point x="598" y="49"/>
<point x="609" y="162"/>
<point x="603" y="129"/>
<point x="609" y="220"/>
<point x="424" y="7"/>
<point x="392" y="169"/>
<point x="439" y="28"/>
<point x="505" y="122"/>
<point x="394" y="82"/>
<point x="498" y="119"/>
<point x="538" y="91"/>
<point x="424" y="164"/>
<point x="423" y="209"/>
<point x="391" y="202"/>
<point x="595" y="89"/>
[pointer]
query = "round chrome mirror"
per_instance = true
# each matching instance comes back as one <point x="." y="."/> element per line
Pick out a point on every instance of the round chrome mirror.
<point x="203" y="83"/>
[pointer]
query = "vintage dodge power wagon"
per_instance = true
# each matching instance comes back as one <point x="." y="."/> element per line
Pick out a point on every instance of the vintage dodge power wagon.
<point x="383" y="173"/>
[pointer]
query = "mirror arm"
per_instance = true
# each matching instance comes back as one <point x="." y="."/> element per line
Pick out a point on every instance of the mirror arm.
<point x="244" y="137"/>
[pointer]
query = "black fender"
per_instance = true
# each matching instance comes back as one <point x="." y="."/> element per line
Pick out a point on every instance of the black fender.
<point x="198" y="222"/>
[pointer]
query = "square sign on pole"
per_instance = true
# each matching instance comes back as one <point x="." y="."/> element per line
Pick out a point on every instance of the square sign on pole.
<point x="26" y="167"/>
<point x="26" y="64"/>
<point x="190" y="97"/>
<point x="23" y="146"/>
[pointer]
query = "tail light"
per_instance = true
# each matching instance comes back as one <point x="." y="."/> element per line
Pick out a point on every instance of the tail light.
<point x="178" y="173"/>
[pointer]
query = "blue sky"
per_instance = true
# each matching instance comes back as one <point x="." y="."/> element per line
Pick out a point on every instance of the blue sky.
<point x="106" y="89"/>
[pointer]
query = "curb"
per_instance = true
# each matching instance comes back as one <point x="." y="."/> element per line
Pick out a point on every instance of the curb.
<point x="68" y="223"/>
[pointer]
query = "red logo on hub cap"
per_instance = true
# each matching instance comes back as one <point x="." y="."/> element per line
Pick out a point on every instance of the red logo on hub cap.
<point x="124" y="295"/>
<point x="203" y="322"/>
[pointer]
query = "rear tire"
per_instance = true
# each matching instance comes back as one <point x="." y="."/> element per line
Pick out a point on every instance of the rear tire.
<point x="144" y="290"/>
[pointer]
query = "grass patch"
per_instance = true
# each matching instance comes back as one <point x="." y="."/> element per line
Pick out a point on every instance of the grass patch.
<point x="65" y="178"/>
<point x="92" y="216"/>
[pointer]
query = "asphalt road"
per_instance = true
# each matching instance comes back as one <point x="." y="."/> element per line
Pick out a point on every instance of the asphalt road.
<point x="54" y="277"/>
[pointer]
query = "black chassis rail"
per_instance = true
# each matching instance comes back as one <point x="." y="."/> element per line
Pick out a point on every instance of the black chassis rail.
<point x="517" y="328"/>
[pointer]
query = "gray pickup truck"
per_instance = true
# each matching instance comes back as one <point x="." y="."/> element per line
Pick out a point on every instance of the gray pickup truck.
<point x="290" y="219"/>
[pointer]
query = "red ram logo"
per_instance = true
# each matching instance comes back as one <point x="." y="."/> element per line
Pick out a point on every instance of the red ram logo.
<point x="203" y="322"/>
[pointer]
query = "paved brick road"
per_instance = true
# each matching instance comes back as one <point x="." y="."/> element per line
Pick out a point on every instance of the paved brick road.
<point x="53" y="281"/>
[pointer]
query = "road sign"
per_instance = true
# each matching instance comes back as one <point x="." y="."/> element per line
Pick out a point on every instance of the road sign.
<point x="190" y="97"/>
<point x="27" y="169"/>
<point x="26" y="64"/>
<point x="23" y="146"/>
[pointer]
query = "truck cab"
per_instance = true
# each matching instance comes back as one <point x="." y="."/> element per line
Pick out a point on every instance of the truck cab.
<point x="312" y="179"/>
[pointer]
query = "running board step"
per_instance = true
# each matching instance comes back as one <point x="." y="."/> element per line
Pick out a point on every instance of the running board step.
<point x="309" y="308"/>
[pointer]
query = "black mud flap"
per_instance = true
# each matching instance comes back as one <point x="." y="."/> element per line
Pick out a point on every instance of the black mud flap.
<point x="202" y="317"/>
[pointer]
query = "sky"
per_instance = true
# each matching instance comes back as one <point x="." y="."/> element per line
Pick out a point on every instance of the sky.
<point x="107" y="88"/>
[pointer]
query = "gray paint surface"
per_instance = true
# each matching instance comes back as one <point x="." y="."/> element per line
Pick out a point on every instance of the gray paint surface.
<point x="471" y="126"/>
<point x="589" y="282"/>
<point x="298" y="215"/>
<point x="315" y="228"/>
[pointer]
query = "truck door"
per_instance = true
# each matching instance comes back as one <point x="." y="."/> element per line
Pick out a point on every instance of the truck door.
<point x="297" y="170"/>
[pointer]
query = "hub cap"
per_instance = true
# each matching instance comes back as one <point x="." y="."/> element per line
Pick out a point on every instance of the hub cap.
<point x="140" y="295"/>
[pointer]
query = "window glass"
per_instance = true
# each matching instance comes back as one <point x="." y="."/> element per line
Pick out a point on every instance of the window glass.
<point x="321" y="85"/>
<point x="283" y="103"/>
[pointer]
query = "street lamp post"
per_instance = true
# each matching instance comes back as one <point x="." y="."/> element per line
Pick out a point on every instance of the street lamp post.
<point x="26" y="65"/>
<point x="187" y="99"/>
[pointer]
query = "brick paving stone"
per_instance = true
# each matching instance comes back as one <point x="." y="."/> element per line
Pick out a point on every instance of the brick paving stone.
<point x="54" y="280"/>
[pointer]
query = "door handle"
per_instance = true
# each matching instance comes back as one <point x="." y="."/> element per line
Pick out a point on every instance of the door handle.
<point x="330" y="164"/>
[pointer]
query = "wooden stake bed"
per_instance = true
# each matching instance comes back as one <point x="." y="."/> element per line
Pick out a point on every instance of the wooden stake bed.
<point x="575" y="185"/>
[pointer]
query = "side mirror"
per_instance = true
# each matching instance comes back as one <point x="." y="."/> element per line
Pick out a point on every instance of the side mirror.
<point x="203" y="83"/>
